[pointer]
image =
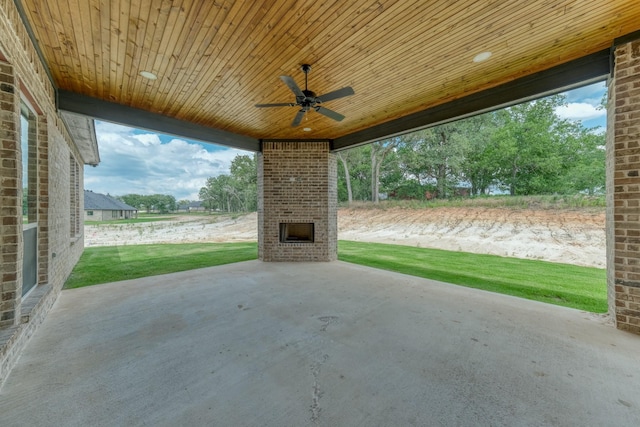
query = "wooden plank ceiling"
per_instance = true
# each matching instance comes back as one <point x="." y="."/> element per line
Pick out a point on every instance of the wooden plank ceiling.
<point x="216" y="59"/>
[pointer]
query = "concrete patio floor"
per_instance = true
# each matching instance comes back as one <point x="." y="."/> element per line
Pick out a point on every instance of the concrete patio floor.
<point x="328" y="344"/>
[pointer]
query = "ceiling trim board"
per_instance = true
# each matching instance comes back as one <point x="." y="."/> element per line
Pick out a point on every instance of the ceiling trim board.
<point x="141" y="119"/>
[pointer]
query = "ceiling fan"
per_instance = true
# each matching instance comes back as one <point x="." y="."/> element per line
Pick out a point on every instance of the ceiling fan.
<point x="307" y="100"/>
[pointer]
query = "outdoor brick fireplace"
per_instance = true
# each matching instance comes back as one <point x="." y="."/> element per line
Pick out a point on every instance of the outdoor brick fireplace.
<point x="297" y="206"/>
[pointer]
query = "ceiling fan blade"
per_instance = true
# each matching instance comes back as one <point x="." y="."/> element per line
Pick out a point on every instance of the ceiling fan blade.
<point x="283" y="104"/>
<point x="340" y="93"/>
<point x="288" y="80"/>
<point x="330" y="113"/>
<point x="298" y="118"/>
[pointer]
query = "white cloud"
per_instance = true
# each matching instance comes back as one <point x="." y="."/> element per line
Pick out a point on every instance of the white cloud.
<point x="148" y="139"/>
<point x="134" y="161"/>
<point x="584" y="104"/>
<point x="580" y="111"/>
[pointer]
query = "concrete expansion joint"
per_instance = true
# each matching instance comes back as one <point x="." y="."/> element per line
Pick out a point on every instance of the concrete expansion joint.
<point x="316" y="393"/>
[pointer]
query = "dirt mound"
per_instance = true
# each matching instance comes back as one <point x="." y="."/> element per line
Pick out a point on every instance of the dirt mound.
<point x="181" y="229"/>
<point x="567" y="236"/>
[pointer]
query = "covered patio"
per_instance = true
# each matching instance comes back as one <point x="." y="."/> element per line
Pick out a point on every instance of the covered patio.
<point x="233" y="73"/>
<point x="298" y="343"/>
<point x="294" y="344"/>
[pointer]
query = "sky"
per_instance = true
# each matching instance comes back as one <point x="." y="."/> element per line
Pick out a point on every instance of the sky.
<point x="134" y="161"/>
<point x="584" y="104"/>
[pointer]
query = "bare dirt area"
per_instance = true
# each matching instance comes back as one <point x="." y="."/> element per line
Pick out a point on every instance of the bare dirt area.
<point x="567" y="236"/>
<point x="179" y="229"/>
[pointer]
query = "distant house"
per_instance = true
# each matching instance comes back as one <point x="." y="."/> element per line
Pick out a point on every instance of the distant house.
<point x="98" y="207"/>
<point x="191" y="207"/>
<point x="196" y="206"/>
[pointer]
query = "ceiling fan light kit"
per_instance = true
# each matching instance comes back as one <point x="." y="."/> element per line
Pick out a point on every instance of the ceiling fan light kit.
<point x="307" y="99"/>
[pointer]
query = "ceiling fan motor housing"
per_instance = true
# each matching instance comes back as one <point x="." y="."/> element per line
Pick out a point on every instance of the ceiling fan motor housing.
<point x="310" y="97"/>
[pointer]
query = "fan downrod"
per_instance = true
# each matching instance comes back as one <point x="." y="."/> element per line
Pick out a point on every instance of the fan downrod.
<point x="310" y="95"/>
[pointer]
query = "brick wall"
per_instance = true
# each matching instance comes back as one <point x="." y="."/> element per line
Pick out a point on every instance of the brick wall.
<point x="297" y="183"/>
<point x="10" y="198"/>
<point x="64" y="251"/>
<point x="22" y="76"/>
<point x="623" y="189"/>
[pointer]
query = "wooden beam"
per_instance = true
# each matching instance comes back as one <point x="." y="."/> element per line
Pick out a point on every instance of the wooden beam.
<point x="580" y="72"/>
<point x="141" y="119"/>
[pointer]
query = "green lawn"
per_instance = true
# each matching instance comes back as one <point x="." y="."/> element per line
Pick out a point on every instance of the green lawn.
<point x="113" y="263"/>
<point x="583" y="288"/>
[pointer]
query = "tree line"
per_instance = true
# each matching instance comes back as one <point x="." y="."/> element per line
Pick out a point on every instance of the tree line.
<point x="526" y="149"/>
<point x="160" y="203"/>
<point x="236" y="192"/>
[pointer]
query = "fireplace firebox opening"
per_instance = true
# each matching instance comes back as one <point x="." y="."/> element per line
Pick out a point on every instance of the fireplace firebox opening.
<point x="296" y="232"/>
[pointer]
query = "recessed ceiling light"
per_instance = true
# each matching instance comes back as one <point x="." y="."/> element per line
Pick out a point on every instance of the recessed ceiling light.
<point x="306" y="129"/>
<point x="483" y="56"/>
<point x="148" y="75"/>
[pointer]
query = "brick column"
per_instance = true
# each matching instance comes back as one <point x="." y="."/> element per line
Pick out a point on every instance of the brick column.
<point x="297" y="184"/>
<point x="10" y="199"/>
<point x="623" y="188"/>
